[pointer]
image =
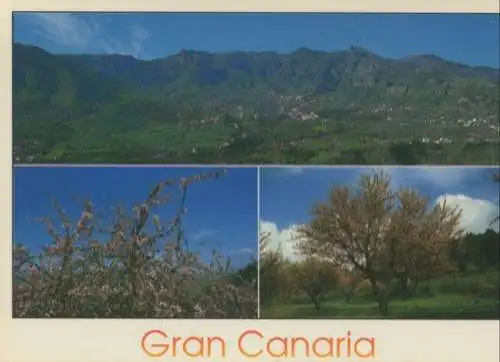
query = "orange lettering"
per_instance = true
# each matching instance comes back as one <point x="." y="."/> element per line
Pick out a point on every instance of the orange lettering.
<point x="282" y="343"/>
<point x="199" y="347"/>
<point x="221" y="341"/>
<point x="147" y="350"/>
<point x="240" y="343"/>
<point x="329" y="343"/>
<point x="370" y="353"/>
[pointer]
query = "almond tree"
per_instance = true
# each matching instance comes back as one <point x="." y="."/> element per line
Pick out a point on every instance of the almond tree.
<point x="349" y="281"/>
<point x="315" y="278"/>
<point x="128" y="264"/>
<point x="394" y="239"/>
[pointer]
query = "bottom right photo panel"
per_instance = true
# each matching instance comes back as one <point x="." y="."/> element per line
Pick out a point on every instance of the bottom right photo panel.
<point x="379" y="242"/>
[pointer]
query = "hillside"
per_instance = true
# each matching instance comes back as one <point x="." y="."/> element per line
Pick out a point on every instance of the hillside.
<point x="308" y="106"/>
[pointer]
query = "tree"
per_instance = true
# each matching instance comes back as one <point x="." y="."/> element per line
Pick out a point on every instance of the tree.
<point x="274" y="273"/>
<point x="477" y="250"/>
<point x="349" y="281"/>
<point x="129" y="264"/>
<point x="247" y="274"/>
<point x="315" y="278"/>
<point x="395" y="239"/>
<point x="496" y="178"/>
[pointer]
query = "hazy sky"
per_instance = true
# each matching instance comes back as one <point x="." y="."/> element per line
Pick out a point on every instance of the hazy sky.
<point x="288" y="194"/>
<point x="467" y="38"/>
<point x="221" y="213"/>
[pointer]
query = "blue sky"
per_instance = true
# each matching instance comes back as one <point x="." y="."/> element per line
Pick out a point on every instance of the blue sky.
<point x="222" y="213"/>
<point x="288" y="194"/>
<point x="466" y="38"/>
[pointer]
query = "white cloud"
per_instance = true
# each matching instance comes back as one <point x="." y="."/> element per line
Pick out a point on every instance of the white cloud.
<point x="202" y="234"/>
<point x="84" y="33"/>
<point x="139" y="33"/>
<point x="292" y="170"/>
<point x="245" y="251"/>
<point x="139" y="36"/>
<point x="284" y="239"/>
<point x="65" y="29"/>
<point x="477" y="214"/>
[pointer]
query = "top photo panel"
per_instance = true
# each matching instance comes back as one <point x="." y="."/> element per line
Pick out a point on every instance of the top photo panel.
<point x="246" y="88"/>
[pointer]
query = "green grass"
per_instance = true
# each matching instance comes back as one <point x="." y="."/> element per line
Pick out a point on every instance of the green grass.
<point x="470" y="297"/>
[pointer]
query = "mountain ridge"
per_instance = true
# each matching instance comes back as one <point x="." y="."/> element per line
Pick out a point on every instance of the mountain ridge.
<point x="70" y="104"/>
<point x="257" y="52"/>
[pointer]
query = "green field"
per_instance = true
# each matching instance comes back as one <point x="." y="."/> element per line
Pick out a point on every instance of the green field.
<point x="466" y="297"/>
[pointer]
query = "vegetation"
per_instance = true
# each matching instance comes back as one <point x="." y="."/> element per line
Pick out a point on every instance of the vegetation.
<point x="314" y="278"/>
<point x="390" y="254"/>
<point x="306" y="107"/>
<point x="129" y="266"/>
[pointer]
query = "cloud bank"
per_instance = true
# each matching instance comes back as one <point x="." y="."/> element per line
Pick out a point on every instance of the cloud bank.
<point x="477" y="214"/>
<point x="284" y="239"/>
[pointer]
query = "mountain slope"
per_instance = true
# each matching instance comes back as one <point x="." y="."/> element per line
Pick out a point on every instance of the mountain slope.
<point x="82" y="103"/>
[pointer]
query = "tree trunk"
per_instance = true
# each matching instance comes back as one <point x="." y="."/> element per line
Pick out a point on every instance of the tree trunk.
<point x="405" y="286"/>
<point x="316" y="303"/>
<point x="383" y="307"/>
<point x="382" y="299"/>
<point x="414" y="287"/>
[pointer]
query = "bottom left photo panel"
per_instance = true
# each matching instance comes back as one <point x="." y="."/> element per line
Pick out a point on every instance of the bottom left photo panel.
<point x="135" y="242"/>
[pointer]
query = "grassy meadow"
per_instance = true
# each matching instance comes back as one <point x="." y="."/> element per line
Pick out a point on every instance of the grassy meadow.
<point x="472" y="296"/>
